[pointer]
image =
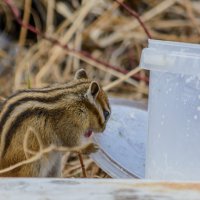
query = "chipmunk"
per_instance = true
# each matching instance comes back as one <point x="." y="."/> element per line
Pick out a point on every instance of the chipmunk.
<point x="61" y="114"/>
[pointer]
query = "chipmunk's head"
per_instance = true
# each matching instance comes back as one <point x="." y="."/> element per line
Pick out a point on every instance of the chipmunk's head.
<point x="93" y="104"/>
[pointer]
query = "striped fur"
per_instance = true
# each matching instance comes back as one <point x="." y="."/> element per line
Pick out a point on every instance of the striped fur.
<point x="66" y="111"/>
<point x="46" y="95"/>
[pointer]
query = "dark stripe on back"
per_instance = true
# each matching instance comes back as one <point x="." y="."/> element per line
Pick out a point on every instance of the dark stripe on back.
<point x="45" y="91"/>
<point x="48" y="100"/>
<point x="26" y="114"/>
<point x="11" y="107"/>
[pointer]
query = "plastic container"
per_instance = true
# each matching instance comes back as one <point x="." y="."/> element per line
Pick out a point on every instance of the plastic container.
<point x="122" y="145"/>
<point x="173" y="146"/>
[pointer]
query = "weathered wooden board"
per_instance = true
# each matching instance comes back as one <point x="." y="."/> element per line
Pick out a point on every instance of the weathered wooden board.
<point x="96" y="189"/>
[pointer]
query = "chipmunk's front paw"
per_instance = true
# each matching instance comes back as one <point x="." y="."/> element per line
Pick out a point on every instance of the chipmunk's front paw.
<point x="90" y="148"/>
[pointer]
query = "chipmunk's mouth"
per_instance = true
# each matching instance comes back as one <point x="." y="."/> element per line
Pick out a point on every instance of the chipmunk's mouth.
<point x="88" y="133"/>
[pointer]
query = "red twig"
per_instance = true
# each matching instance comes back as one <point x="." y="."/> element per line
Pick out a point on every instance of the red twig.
<point x="136" y="15"/>
<point x="16" y="14"/>
<point x="82" y="165"/>
<point x="33" y="29"/>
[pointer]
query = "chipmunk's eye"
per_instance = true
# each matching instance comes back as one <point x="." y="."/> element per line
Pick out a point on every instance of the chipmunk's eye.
<point x="106" y="114"/>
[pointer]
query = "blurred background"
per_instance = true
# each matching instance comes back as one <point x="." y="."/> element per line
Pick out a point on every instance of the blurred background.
<point x="104" y="37"/>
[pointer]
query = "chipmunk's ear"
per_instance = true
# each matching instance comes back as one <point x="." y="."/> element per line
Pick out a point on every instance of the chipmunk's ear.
<point x="80" y="74"/>
<point x="93" y="90"/>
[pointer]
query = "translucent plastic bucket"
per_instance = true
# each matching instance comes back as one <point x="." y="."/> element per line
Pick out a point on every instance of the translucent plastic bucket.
<point x="173" y="146"/>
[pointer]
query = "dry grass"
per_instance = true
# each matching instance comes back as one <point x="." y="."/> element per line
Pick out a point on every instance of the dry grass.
<point x="103" y="29"/>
